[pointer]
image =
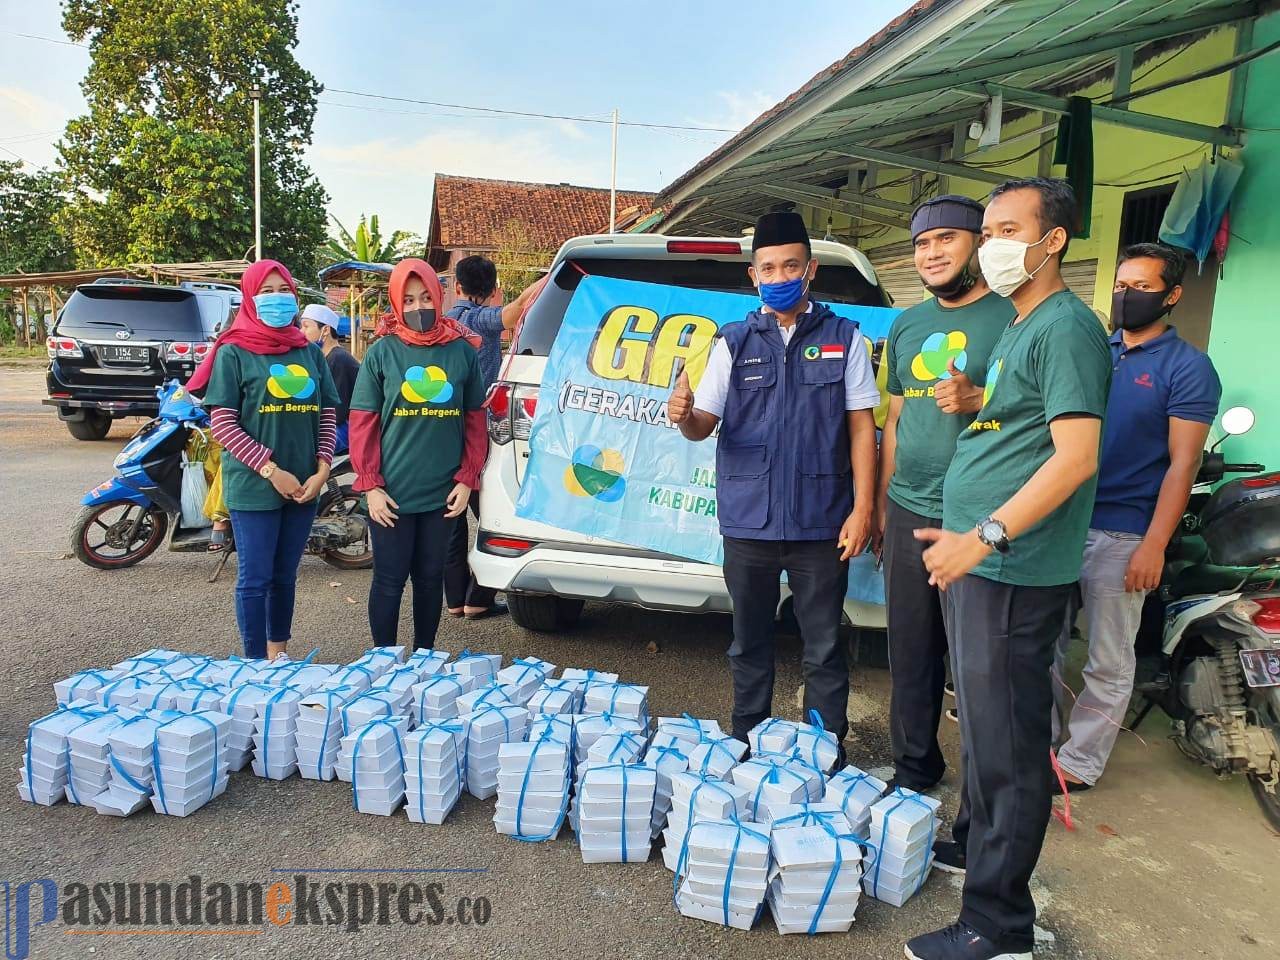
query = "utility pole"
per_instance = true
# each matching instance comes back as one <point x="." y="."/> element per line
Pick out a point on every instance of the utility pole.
<point x="613" y="179"/>
<point x="255" y="93"/>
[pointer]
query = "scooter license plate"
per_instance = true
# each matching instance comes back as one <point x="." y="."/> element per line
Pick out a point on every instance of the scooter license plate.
<point x="1261" y="667"/>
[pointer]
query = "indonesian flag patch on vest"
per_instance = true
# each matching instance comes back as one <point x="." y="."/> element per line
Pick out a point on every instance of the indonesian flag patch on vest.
<point x="828" y="351"/>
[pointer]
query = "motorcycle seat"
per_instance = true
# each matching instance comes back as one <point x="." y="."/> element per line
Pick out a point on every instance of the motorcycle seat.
<point x="1206" y="578"/>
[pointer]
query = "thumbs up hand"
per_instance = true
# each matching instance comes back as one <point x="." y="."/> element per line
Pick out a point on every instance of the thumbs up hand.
<point x="680" y="404"/>
<point x="958" y="394"/>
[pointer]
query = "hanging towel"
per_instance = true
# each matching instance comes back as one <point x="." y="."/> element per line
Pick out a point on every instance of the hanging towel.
<point x="1075" y="149"/>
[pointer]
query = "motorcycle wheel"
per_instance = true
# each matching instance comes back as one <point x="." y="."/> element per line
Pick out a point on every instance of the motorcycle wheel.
<point x="99" y="532"/>
<point x="1269" y="802"/>
<point x="344" y="502"/>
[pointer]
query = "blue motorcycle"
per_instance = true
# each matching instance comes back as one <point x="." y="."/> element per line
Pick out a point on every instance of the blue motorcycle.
<point x="125" y="519"/>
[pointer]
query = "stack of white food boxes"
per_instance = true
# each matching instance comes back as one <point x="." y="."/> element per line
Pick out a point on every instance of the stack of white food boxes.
<point x="533" y="788"/>
<point x="855" y="792"/>
<point x="491" y="694"/>
<point x="275" y="734"/>
<point x="628" y="700"/>
<point x="398" y="682"/>
<point x="83" y="685"/>
<point x="695" y="798"/>
<point x="775" y="781"/>
<point x="590" y="727"/>
<point x="371" y="705"/>
<point x="903" y="825"/>
<point x="371" y="759"/>
<point x="89" y="756"/>
<point x="378" y="660"/>
<point x="666" y="757"/>
<point x="726" y="873"/>
<point x="191" y="762"/>
<point x="241" y="704"/>
<point x="613" y="747"/>
<point x="487" y="729"/>
<point x="45" y="764"/>
<point x="427" y="661"/>
<point x="555" y="697"/>
<point x="434" y="768"/>
<point x="132" y="773"/>
<point x="197" y="695"/>
<point x="436" y="698"/>
<point x="817" y="746"/>
<point x="615" y="809"/>
<point x="474" y="669"/>
<point x="715" y="756"/>
<point x="773" y="735"/>
<point x="319" y="731"/>
<point x="524" y="677"/>
<point x="815" y="882"/>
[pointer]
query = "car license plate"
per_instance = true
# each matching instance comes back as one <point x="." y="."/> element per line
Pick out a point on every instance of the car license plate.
<point x="123" y="353"/>
<point x="1261" y="667"/>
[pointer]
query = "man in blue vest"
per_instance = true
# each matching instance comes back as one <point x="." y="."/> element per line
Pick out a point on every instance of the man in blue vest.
<point x="792" y="391"/>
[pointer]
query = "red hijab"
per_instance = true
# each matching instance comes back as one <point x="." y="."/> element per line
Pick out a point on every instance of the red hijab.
<point x="446" y="329"/>
<point x="247" y="330"/>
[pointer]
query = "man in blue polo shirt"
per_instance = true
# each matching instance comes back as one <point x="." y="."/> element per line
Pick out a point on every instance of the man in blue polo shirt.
<point x="1164" y="396"/>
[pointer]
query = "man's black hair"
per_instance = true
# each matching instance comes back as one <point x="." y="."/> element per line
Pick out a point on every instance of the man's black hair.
<point x="477" y="276"/>
<point x="1058" y="206"/>
<point x="1172" y="263"/>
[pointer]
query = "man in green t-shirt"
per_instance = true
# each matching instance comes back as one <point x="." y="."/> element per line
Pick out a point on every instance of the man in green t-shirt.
<point x="937" y="360"/>
<point x="1016" y="503"/>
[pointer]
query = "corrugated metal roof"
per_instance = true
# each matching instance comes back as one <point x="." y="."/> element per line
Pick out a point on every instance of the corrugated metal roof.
<point x="903" y="87"/>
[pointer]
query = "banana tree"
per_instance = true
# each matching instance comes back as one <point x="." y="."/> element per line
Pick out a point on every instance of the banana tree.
<point x="367" y="244"/>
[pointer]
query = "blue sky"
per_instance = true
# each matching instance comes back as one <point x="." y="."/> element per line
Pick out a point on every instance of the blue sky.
<point x="714" y="63"/>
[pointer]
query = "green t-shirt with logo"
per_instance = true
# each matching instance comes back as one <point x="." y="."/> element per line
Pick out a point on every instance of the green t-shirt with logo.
<point x="1054" y="363"/>
<point x="921" y="342"/>
<point x="421" y="394"/>
<point x="279" y="397"/>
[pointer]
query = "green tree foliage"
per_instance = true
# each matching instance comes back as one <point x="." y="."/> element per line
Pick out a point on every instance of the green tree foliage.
<point x="30" y="239"/>
<point x="161" y="166"/>
<point x="367" y="244"/>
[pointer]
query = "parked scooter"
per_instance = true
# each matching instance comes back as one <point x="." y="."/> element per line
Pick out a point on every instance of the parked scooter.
<point x="126" y="518"/>
<point x="1220" y="675"/>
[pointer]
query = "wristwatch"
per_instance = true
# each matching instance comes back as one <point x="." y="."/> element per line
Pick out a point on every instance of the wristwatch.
<point x="993" y="533"/>
<point x="267" y="470"/>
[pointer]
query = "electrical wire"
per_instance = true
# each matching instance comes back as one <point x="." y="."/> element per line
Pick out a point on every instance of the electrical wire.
<point x="1143" y="183"/>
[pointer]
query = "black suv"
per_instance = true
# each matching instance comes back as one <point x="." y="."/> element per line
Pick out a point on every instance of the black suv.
<point x="113" y="344"/>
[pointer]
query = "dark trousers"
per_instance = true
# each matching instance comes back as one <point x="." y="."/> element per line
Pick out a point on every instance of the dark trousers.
<point x="414" y="548"/>
<point x="460" y="587"/>
<point x="917" y="651"/>
<point x="1002" y="641"/>
<point x="269" y="546"/>
<point x="818" y="580"/>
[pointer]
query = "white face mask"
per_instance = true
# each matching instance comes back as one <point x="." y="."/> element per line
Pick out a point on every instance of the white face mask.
<point x="1003" y="263"/>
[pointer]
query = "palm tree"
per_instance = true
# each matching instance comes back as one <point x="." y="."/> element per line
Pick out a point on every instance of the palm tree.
<point x="366" y="244"/>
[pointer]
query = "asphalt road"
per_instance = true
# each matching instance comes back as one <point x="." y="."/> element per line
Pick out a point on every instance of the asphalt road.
<point x="1164" y="862"/>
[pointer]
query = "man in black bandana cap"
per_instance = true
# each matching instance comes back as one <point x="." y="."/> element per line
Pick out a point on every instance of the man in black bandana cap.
<point x="936" y="353"/>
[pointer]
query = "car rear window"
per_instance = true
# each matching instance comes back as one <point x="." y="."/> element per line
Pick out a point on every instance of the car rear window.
<point x="161" y="313"/>
<point x="833" y="284"/>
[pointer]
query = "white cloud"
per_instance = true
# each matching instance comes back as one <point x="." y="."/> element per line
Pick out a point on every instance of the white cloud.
<point x="737" y="108"/>
<point x="31" y="125"/>
<point x="392" y="177"/>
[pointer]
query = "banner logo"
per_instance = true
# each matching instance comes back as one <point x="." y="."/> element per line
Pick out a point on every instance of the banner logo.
<point x="596" y="473"/>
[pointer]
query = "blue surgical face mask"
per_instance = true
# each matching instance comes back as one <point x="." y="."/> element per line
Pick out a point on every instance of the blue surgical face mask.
<point x="785" y="295"/>
<point x="276" y="309"/>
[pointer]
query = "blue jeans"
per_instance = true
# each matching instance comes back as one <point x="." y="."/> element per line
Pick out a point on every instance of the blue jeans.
<point x="269" y="546"/>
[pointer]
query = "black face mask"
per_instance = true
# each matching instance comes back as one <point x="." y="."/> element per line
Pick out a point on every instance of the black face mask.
<point x="959" y="285"/>
<point x="420" y="321"/>
<point x="1138" y="309"/>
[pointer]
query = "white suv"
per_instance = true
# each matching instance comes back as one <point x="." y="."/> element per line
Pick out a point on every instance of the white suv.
<point x="548" y="572"/>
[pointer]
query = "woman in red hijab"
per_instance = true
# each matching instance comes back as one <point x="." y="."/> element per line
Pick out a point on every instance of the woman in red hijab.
<point x="418" y="443"/>
<point x="273" y="408"/>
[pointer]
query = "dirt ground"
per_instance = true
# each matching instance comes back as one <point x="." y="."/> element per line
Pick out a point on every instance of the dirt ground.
<point x="1165" y="861"/>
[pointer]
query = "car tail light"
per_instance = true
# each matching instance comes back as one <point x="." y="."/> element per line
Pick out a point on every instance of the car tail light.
<point x="506" y="546"/>
<point x="729" y="247"/>
<point x="1267" y="617"/>
<point x="511" y="410"/>
<point x="63" y="347"/>
<point x="180" y="351"/>
<point x="1255" y="483"/>
<point x="201" y="349"/>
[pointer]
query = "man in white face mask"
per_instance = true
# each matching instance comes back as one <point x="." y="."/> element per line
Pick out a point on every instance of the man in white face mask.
<point x="1016" y="503"/>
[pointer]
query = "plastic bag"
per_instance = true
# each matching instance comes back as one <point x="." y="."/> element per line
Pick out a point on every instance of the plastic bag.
<point x="195" y="488"/>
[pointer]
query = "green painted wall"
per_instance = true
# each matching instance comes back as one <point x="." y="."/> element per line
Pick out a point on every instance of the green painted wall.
<point x="1245" y="337"/>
